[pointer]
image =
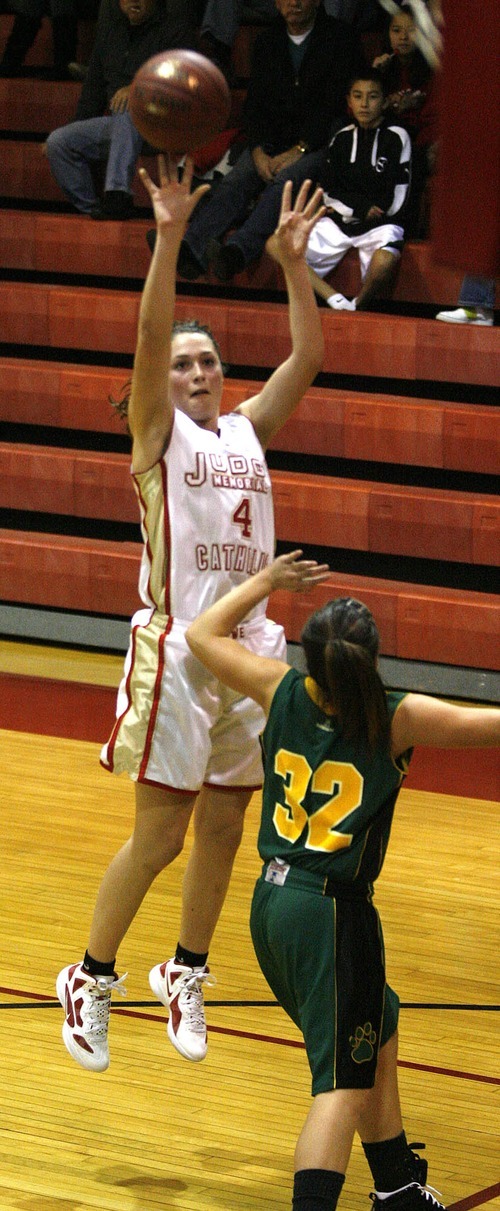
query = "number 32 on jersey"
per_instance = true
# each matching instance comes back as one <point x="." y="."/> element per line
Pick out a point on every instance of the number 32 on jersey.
<point x="340" y="780"/>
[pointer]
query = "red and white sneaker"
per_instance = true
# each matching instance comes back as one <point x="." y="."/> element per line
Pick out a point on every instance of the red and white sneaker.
<point x="179" y="988"/>
<point x="87" y="1000"/>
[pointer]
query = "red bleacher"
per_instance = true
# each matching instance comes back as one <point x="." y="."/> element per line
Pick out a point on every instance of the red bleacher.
<point x="255" y="333"/>
<point x="339" y="424"/>
<point x="448" y="626"/>
<point x="67" y="243"/>
<point x="66" y="572"/>
<point x="309" y="509"/>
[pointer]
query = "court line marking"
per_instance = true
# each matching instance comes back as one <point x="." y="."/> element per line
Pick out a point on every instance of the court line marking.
<point x="476" y="1200"/>
<point x="42" y="1000"/>
<point x="51" y="1002"/>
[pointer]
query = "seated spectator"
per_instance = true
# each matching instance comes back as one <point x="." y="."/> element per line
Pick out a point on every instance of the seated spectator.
<point x="128" y="33"/>
<point x="475" y="304"/>
<point x="296" y="90"/>
<point x="220" y="24"/>
<point x="366" y="180"/>
<point x="408" y="81"/>
<point x="27" y="21"/>
<point x="222" y="18"/>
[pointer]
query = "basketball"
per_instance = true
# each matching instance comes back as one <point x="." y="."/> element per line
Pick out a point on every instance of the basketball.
<point x="178" y="101"/>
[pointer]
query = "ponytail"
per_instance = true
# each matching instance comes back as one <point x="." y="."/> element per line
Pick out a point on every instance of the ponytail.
<point x="341" y="644"/>
<point x="121" y="404"/>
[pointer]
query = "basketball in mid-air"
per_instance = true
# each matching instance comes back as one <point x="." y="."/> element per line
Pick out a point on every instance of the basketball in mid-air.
<point x="179" y="100"/>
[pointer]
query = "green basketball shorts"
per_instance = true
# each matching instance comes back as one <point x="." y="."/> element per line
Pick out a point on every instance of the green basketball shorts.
<point x="322" y="955"/>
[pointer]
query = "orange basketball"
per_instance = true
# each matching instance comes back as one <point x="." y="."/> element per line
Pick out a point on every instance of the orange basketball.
<point x="178" y="101"/>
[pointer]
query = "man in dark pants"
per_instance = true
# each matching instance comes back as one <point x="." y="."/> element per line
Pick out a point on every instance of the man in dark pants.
<point x="128" y="33"/>
<point x="27" y="21"/>
<point x="297" y="86"/>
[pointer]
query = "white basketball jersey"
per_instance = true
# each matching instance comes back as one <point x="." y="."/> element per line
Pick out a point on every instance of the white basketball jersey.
<point x="206" y="516"/>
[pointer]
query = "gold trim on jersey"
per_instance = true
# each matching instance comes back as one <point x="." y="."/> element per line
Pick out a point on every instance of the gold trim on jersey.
<point x="128" y="748"/>
<point x="317" y="696"/>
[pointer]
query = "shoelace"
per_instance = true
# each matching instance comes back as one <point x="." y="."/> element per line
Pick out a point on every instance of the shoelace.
<point x="421" y="1165"/>
<point x="427" y="1191"/>
<point x="95" y="1013"/>
<point x="191" y="998"/>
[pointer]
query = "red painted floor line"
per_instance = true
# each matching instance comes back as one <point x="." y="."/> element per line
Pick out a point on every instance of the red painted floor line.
<point x="464" y="1204"/>
<point x="465" y="1076"/>
<point x="80" y="711"/>
<point x="476" y="1200"/>
<point x="26" y="996"/>
<point x="267" y="1038"/>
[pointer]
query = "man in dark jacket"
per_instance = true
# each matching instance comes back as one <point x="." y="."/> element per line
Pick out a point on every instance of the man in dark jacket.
<point x="297" y="86"/>
<point x="128" y="33"/>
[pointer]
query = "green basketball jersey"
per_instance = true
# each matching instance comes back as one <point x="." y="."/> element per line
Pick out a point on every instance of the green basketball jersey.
<point x="327" y="804"/>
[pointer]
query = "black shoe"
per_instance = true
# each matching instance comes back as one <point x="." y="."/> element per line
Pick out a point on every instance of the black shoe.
<point x="224" y="260"/>
<point x="420" y="1164"/>
<point x="115" y="204"/>
<point x="187" y="264"/>
<point x="413" y="1198"/>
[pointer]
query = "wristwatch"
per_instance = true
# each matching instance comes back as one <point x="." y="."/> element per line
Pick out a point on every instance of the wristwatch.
<point x="302" y="147"/>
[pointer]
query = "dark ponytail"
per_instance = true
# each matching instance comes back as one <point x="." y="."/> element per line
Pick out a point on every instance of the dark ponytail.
<point x="341" y="643"/>
<point x="121" y="404"/>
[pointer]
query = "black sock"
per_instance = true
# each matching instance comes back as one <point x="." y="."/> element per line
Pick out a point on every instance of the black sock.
<point x="95" y="968"/>
<point x="393" y="1164"/>
<point x="316" y="1189"/>
<point x="189" y="958"/>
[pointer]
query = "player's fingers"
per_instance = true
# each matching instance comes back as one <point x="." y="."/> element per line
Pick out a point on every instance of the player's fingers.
<point x="319" y="214"/>
<point x="198" y="193"/>
<point x="300" y="201"/>
<point x="187" y="172"/>
<point x="146" y="180"/>
<point x="163" y="172"/>
<point x="315" y="203"/>
<point x="286" y="200"/>
<point x="290" y="561"/>
<point x="320" y="572"/>
<point x="309" y="567"/>
<point x="312" y="576"/>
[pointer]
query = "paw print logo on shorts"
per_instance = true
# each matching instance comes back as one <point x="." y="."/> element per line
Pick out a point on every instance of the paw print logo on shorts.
<point x="362" y="1042"/>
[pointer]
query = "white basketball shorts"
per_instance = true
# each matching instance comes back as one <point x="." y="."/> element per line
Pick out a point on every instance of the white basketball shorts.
<point x="176" y="725"/>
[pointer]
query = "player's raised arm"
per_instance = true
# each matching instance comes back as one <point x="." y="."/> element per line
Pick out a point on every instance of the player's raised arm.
<point x="269" y="410"/>
<point x="209" y="635"/>
<point x="150" y="412"/>
<point x="429" y="721"/>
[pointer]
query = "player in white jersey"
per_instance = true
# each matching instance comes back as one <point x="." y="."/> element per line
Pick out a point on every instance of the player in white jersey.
<point x="190" y="744"/>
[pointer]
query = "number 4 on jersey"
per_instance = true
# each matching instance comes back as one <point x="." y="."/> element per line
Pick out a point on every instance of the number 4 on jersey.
<point x="242" y="517"/>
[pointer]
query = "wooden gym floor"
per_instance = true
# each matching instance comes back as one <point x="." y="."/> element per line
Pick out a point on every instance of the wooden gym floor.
<point x="156" y="1132"/>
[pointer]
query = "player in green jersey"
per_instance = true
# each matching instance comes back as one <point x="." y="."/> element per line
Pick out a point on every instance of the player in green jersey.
<point x="335" y="749"/>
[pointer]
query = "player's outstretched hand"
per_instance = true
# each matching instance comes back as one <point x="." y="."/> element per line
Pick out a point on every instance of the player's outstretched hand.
<point x="172" y="200"/>
<point x="289" y="242"/>
<point x="296" y="574"/>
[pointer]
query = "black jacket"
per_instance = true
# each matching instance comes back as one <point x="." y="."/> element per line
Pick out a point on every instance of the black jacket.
<point x="284" y="108"/>
<point x="120" y="49"/>
<point x="365" y="168"/>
